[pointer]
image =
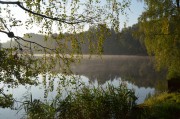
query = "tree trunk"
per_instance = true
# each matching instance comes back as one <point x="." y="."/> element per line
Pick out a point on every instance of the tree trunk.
<point x="174" y="85"/>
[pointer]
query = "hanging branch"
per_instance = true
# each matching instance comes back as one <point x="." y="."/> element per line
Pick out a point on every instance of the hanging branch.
<point x="11" y="35"/>
<point x="19" y="4"/>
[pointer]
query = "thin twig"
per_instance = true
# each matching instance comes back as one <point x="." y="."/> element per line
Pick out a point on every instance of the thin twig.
<point x="32" y="42"/>
<point x="4" y="24"/>
<point x="47" y="17"/>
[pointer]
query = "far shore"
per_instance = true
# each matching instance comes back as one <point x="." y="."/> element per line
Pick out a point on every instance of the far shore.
<point x="87" y="56"/>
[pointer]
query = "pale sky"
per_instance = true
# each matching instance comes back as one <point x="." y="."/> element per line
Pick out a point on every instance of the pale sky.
<point x="136" y="10"/>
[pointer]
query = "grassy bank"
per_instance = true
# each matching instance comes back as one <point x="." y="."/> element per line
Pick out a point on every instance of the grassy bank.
<point x="161" y="106"/>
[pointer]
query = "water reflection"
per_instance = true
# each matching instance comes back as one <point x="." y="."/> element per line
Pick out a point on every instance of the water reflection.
<point x="136" y="71"/>
<point x="140" y="92"/>
<point x="37" y="92"/>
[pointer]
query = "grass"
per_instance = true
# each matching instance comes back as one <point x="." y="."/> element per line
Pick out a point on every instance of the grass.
<point x="162" y="106"/>
<point x="110" y="102"/>
<point x="98" y="103"/>
<point x="87" y="103"/>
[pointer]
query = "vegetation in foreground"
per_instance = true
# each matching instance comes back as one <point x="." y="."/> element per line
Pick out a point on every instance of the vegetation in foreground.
<point x="86" y="103"/>
<point x="106" y="103"/>
<point x="162" y="106"/>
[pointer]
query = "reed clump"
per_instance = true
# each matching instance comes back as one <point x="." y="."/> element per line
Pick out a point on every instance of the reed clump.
<point x="97" y="103"/>
<point x="87" y="102"/>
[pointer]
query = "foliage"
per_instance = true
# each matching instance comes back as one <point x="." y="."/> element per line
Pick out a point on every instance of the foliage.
<point x="18" y="64"/>
<point x="114" y="43"/>
<point x="130" y="42"/>
<point x="38" y="110"/>
<point x="95" y="103"/>
<point x="14" y="69"/>
<point x="67" y="16"/>
<point x="161" y="28"/>
<point x="88" y="103"/>
<point x="161" y="106"/>
<point x="6" y="101"/>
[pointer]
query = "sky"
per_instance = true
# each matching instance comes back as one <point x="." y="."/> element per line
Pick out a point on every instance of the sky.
<point x="136" y="8"/>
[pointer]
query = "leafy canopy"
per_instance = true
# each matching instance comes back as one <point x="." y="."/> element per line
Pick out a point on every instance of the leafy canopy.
<point x="19" y="64"/>
<point x="161" y="27"/>
<point x="70" y="16"/>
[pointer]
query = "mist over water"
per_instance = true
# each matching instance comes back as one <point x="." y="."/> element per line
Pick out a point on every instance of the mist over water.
<point x="137" y="72"/>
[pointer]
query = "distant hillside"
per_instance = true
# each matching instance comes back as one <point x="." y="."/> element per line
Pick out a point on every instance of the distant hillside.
<point x="123" y="43"/>
<point x="40" y="39"/>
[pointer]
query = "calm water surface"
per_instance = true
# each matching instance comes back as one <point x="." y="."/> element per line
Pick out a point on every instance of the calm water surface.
<point x="137" y="72"/>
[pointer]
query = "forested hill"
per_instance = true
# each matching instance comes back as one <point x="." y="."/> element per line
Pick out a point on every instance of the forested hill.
<point x="123" y="43"/>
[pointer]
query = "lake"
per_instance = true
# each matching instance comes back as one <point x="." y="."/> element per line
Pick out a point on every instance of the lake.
<point x="137" y="72"/>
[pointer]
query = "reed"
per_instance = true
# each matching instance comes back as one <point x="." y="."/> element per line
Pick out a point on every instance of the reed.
<point x="87" y="102"/>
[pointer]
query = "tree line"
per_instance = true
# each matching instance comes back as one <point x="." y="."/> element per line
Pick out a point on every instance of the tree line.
<point x="116" y="43"/>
